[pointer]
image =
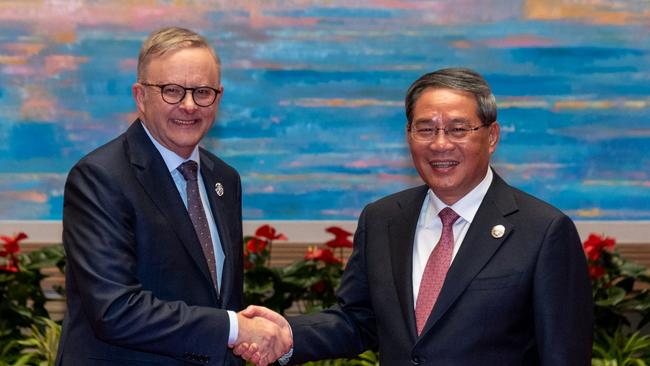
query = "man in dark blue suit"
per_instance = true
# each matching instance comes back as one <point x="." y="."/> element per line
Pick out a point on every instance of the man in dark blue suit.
<point x="152" y="228"/>
<point x="465" y="270"/>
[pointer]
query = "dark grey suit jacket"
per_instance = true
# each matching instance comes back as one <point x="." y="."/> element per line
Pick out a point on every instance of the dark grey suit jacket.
<point x="138" y="286"/>
<point x="522" y="299"/>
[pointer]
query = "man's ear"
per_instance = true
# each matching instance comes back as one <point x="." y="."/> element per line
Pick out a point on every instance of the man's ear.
<point x="137" y="90"/>
<point x="407" y="131"/>
<point x="219" y="96"/>
<point x="493" y="137"/>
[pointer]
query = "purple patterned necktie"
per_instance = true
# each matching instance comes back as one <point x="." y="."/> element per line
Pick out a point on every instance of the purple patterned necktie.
<point x="189" y="170"/>
<point x="435" y="269"/>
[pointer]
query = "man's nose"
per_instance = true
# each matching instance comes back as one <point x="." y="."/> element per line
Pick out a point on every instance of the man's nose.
<point x="441" y="141"/>
<point x="187" y="102"/>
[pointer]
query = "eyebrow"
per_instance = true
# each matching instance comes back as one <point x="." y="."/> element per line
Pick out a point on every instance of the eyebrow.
<point x="453" y="120"/>
<point x="459" y="120"/>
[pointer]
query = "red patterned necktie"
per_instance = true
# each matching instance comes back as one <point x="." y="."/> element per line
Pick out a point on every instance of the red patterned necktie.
<point x="189" y="170"/>
<point x="436" y="269"/>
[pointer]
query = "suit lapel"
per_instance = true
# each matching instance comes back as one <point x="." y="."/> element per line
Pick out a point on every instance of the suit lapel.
<point x="477" y="248"/>
<point x="152" y="173"/>
<point x="401" y="229"/>
<point x="210" y="177"/>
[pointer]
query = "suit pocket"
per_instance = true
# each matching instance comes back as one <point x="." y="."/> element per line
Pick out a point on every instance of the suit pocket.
<point x="492" y="283"/>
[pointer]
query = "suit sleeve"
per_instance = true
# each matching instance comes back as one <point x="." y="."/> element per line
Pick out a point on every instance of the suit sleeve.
<point x="101" y="246"/>
<point x="346" y="329"/>
<point x="563" y="305"/>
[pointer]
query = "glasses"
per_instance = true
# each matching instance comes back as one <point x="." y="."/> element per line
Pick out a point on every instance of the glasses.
<point x="203" y="96"/>
<point x="427" y="132"/>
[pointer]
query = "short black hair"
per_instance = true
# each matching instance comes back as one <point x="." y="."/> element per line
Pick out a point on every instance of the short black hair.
<point x="457" y="78"/>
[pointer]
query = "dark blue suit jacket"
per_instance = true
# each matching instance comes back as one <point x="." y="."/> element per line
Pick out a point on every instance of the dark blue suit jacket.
<point x="522" y="299"/>
<point x="138" y="286"/>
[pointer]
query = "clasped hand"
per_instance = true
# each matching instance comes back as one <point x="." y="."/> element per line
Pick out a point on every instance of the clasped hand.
<point x="264" y="335"/>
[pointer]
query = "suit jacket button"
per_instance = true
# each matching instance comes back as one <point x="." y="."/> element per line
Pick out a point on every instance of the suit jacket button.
<point x="416" y="360"/>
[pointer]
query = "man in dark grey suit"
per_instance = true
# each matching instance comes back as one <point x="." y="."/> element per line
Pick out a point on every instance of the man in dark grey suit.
<point x="152" y="228"/>
<point x="465" y="270"/>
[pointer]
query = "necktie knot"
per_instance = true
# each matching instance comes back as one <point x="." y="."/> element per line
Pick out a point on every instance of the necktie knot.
<point x="448" y="216"/>
<point x="189" y="170"/>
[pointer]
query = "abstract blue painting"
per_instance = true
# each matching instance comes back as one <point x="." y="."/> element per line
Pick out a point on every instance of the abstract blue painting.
<point x="312" y="115"/>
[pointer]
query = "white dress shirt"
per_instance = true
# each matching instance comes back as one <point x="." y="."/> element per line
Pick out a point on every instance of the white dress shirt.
<point x="429" y="227"/>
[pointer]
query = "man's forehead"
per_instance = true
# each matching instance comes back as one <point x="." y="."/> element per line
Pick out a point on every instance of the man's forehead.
<point x="444" y="113"/>
<point x="445" y="103"/>
<point x="443" y="118"/>
<point x="440" y="94"/>
<point x="179" y="64"/>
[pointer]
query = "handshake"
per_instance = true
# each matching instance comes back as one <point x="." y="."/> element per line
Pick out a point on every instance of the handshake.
<point x="264" y="336"/>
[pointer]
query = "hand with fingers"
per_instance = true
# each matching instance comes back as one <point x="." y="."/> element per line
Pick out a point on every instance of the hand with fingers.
<point x="264" y="336"/>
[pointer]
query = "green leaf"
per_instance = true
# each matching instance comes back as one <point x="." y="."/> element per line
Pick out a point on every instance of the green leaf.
<point x="614" y="296"/>
<point x="23" y="360"/>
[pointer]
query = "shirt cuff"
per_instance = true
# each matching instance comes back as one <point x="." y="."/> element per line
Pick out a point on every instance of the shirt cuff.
<point x="234" y="328"/>
<point x="286" y="357"/>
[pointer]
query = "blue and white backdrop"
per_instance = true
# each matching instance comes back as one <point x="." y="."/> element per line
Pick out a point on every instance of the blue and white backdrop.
<point x="312" y="115"/>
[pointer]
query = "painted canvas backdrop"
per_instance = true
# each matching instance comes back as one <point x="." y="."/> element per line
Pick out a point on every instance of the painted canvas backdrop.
<point x="312" y="114"/>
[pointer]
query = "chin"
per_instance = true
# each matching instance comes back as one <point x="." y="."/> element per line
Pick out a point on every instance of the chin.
<point x="441" y="185"/>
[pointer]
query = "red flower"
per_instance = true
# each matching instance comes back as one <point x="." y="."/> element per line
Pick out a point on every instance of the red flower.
<point x="599" y="242"/>
<point x="595" y="244"/>
<point x="596" y="272"/>
<point x="341" y="239"/>
<point x="318" y="287"/>
<point x="268" y="232"/>
<point x="323" y="255"/>
<point x="256" y="245"/>
<point x="593" y="253"/>
<point x="11" y="244"/>
<point x="9" y="267"/>
<point x="11" y="248"/>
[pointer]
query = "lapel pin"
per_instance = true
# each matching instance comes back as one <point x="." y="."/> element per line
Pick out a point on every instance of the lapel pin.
<point x="498" y="231"/>
<point x="218" y="187"/>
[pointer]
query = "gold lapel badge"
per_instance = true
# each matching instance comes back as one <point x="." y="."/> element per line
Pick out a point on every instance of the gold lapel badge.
<point x="218" y="187"/>
<point x="498" y="231"/>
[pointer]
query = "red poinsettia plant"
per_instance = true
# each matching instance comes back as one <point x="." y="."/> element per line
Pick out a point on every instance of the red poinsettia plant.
<point x="594" y="247"/>
<point x="22" y="300"/>
<point x="309" y="282"/>
<point x="324" y="255"/>
<point x="319" y="273"/>
<point x="10" y="250"/>
<point x="341" y="240"/>
<point x="263" y="284"/>
<point x="257" y="248"/>
<point x="620" y="289"/>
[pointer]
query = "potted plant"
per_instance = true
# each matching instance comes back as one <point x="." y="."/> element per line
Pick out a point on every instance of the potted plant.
<point x="621" y="305"/>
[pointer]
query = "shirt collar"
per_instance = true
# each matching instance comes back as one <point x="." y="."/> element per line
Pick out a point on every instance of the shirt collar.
<point x="172" y="160"/>
<point x="467" y="206"/>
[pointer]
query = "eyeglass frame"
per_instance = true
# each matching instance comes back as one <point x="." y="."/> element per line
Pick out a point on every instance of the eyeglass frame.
<point x="162" y="86"/>
<point x="413" y="132"/>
